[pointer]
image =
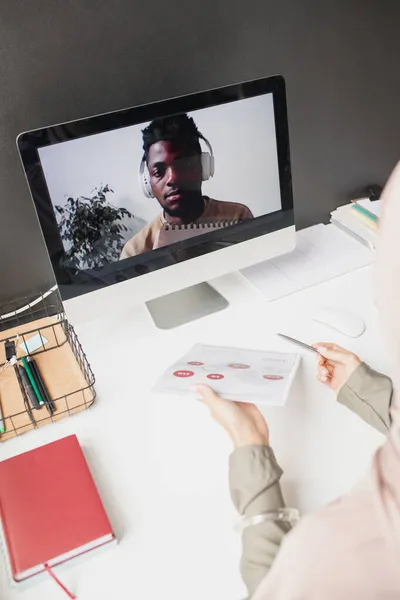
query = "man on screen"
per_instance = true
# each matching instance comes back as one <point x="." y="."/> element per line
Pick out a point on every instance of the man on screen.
<point x="173" y="156"/>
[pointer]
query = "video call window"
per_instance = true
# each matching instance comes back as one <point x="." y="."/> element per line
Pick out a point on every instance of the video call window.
<point x="128" y="191"/>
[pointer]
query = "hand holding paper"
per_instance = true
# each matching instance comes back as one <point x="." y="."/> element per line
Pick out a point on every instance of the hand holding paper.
<point x="243" y="422"/>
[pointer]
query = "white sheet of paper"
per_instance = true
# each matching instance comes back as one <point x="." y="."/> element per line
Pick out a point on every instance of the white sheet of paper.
<point x="237" y="374"/>
<point x="322" y="253"/>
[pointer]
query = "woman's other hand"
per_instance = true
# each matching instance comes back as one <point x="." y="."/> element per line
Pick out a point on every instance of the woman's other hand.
<point x="335" y="365"/>
<point x="243" y="422"/>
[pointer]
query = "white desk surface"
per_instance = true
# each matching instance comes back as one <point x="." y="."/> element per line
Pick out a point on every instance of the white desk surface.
<point x="160" y="463"/>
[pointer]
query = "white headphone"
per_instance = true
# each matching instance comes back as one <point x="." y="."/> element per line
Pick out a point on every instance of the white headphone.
<point x="207" y="169"/>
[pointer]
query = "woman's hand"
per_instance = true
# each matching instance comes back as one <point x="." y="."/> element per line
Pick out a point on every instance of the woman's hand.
<point x="335" y="365"/>
<point x="243" y="422"/>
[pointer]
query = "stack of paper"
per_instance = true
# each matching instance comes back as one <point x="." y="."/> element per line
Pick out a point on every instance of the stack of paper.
<point x="359" y="220"/>
<point x="322" y="252"/>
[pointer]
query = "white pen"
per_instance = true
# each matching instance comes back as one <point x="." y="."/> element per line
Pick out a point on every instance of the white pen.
<point x="298" y="343"/>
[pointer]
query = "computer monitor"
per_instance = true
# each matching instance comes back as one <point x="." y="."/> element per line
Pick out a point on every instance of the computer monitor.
<point x="140" y="203"/>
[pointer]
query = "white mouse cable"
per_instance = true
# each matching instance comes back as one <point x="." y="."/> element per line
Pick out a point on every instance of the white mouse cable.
<point x="18" y="311"/>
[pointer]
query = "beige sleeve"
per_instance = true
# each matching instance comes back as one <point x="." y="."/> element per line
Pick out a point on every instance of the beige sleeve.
<point x="369" y="394"/>
<point x="126" y="252"/>
<point x="247" y="214"/>
<point x="137" y="244"/>
<point x="254" y="483"/>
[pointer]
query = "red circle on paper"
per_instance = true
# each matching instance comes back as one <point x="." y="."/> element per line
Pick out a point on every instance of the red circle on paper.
<point x="238" y="366"/>
<point x="183" y="373"/>
<point x="195" y="363"/>
<point x="273" y="377"/>
<point x="215" y="376"/>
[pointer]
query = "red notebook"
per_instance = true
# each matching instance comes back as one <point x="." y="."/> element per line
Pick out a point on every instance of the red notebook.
<point x="50" y="508"/>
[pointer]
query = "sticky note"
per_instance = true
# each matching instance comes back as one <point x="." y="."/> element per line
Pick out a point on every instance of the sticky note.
<point x="34" y="343"/>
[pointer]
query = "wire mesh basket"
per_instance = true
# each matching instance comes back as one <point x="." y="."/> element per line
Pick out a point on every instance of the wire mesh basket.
<point x="40" y="330"/>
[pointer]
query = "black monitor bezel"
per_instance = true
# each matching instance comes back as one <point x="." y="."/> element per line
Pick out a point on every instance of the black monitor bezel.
<point x="72" y="283"/>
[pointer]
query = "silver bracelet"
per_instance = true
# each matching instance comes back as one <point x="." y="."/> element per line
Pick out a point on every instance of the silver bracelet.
<point x="288" y="515"/>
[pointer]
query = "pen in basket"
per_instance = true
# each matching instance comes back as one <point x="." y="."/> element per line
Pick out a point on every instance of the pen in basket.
<point x="40" y="384"/>
<point x="24" y="395"/>
<point x="32" y="379"/>
<point x="63" y="375"/>
<point x="29" y="387"/>
<point x="11" y="357"/>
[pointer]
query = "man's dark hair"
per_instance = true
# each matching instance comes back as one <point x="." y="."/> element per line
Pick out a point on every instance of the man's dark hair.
<point x="176" y="127"/>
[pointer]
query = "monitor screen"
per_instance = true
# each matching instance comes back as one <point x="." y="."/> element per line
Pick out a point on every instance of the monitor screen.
<point x="124" y="194"/>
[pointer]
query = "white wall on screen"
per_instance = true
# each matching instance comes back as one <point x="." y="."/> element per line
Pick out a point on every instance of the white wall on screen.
<point x="241" y="133"/>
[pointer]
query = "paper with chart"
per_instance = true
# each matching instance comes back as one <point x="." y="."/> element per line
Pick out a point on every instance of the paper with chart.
<point x="237" y="374"/>
<point x="322" y="252"/>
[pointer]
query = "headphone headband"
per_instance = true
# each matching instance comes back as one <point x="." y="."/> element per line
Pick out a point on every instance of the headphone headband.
<point x="207" y="143"/>
<point x="207" y="168"/>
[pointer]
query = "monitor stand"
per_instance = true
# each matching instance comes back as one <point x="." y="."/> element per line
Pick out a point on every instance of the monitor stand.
<point x="186" y="305"/>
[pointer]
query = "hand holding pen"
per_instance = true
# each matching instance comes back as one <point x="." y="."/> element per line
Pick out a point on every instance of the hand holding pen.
<point x="335" y="364"/>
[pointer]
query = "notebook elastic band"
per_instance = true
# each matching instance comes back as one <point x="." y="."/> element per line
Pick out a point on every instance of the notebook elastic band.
<point x="58" y="582"/>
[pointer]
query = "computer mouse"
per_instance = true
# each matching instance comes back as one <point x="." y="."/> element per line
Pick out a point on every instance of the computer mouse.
<point x="341" y="320"/>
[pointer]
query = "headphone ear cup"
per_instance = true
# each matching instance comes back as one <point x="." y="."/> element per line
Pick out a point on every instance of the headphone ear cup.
<point x="145" y="180"/>
<point x="212" y="165"/>
<point x="207" y="166"/>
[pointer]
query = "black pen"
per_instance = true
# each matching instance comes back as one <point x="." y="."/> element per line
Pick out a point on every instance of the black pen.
<point x="40" y="383"/>
<point x="29" y="388"/>
<point x="24" y="395"/>
<point x="11" y="357"/>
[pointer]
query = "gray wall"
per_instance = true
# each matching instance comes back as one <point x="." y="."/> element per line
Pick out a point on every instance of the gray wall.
<point x="65" y="59"/>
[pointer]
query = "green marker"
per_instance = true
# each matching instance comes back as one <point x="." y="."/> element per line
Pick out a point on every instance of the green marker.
<point x="32" y="380"/>
<point x="365" y="213"/>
